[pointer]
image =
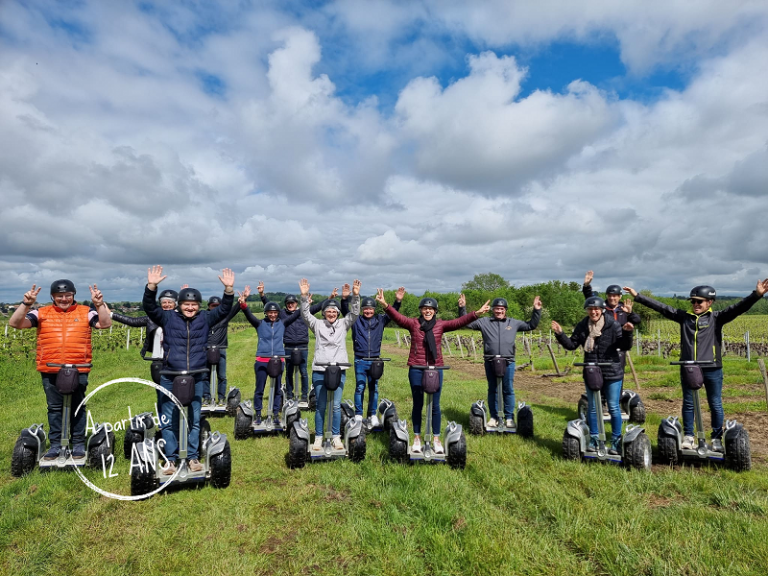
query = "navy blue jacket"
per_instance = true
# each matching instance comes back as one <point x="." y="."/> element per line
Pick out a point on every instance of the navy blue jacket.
<point x="184" y="339"/>
<point x="367" y="333"/>
<point x="271" y="334"/>
<point x="297" y="334"/>
<point x="218" y="334"/>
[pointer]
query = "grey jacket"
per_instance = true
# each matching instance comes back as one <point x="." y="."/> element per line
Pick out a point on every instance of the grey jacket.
<point x="330" y="339"/>
<point x="499" y="335"/>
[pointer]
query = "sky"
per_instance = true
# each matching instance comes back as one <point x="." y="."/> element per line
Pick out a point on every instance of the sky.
<point x="413" y="143"/>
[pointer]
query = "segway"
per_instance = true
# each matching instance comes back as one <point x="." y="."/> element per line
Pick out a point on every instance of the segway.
<point x="736" y="453"/>
<point x="143" y="424"/>
<point x="632" y="407"/>
<point x="213" y="356"/>
<point x="455" y="453"/>
<point x="353" y="434"/>
<point x="246" y="423"/>
<point x="292" y="407"/>
<point x="387" y="413"/>
<point x="522" y="423"/>
<point x="215" y="456"/>
<point x="635" y="444"/>
<point x="30" y="445"/>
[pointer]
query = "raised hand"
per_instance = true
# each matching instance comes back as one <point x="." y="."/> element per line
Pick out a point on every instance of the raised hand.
<point x="155" y="276"/>
<point x="628" y="327"/>
<point x="345" y="290"/>
<point x="631" y="291"/>
<point x="227" y="278"/>
<point x="304" y="286"/>
<point x="380" y="297"/>
<point x="334" y="293"/>
<point x="243" y="296"/>
<point x="400" y="294"/>
<point x="588" y="278"/>
<point x="462" y="301"/>
<point x="30" y="296"/>
<point x="260" y="288"/>
<point x="762" y="287"/>
<point x="184" y="286"/>
<point x="485" y="307"/>
<point x="627" y="305"/>
<point x="556" y="328"/>
<point x="96" y="296"/>
<point x="356" y="287"/>
<point x="537" y="303"/>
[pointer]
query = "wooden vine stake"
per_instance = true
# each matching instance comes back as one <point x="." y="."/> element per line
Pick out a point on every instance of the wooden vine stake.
<point x="632" y="367"/>
<point x="761" y="364"/>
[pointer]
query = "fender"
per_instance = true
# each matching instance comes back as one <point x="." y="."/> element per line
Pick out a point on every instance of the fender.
<point x="452" y="433"/>
<point x="478" y="409"/>
<point x="247" y="408"/>
<point x="98" y="437"/>
<point x="302" y="429"/>
<point x="348" y="409"/>
<point x="142" y="422"/>
<point x="579" y="430"/>
<point x="732" y="429"/>
<point x="353" y="430"/>
<point x="387" y="409"/>
<point x="291" y="407"/>
<point x="234" y="393"/>
<point x="670" y="427"/>
<point x="215" y="444"/>
<point x="400" y="430"/>
<point x="523" y="407"/>
<point x="145" y="451"/>
<point x="34" y="438"/>
<point x="631" y="433"/>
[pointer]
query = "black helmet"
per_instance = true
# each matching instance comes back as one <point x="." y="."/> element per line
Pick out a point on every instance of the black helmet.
<point x="62" y="287"/>
<point x="428" y="303"/>
<point x="271" y="307"/>
<point x="367" y="302"/>
<point x="291" y="298"/>
<point x="214" y="300"/>
<point x="331" y="303"/>
<point x="594" y="302"/>
<point x="499" y="302"/>
<point x="613" y="289"/>
<point x="703" y="293"/>
<point x="172" y="294"/>
<point x="190" y="295"/>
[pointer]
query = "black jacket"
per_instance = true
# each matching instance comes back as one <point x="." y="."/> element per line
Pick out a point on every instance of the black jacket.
<point x="618" y="313"/>
<point x="296" y="334"/>
<point x="607" y="345"/>
<point x="138" y="322"/>
<point x="218" y="333"/>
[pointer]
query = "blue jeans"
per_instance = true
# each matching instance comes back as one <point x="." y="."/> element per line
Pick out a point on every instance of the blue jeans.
<point x="289" y="369"/>
<point x="362" y="378"/>
<point x="713" y="383"/>
<point x="415" y="376"/>
<point x="507" y="390"/>
<point x="170" y="417"/>
<point x="55" y="401"/>
<point x="317" y="382"/>
<point x="221" y="376"/>
<point x="612" y="393"/>
<point x="261" y="380"/>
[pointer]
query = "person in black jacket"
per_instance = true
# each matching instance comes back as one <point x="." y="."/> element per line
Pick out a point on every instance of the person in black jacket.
<point x="153" y="342"/>
<point x="218" y="337"/>
<point x="701" y="337"/>
<point x="602" y="338"/>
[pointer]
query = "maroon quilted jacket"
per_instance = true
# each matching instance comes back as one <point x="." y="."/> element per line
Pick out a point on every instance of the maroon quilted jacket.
<point x="418" y="354"/>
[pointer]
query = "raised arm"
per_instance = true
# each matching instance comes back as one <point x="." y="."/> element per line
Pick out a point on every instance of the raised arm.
<point x="222" y="311"/>
<point x="663" y="309"/>
<point x="354" y="305"/>
<point x="571" y="343"/>
<point x="149" y="302"/>
<point x="535" y="317"/>
<point x="306" y="313"/>
<point x="105" y="318"/>
<point x="132" y="321"/>
<point x="19" y="318"/>
<point x="735" y="310"/>
<point x="586" y="289"/>
<point x="397" y="318"/>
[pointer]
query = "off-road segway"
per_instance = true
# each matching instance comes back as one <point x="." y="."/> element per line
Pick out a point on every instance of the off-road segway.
<point x="30" y="445"/>
<point x="146" y="469"/>
<point x="387" y="413"/>
<point x="247" y="422"/>
<point x="736" y="453"/>
<point x="291" y="406"/>
<point x="213" y="357"/>
<point x="522" y="423"/>
<point x="142" y="425"/>
<point x="635" y="444"/>
<point x="294" y="363"/>
<point x="455" y="452"/>
<point x="353" y="434"/>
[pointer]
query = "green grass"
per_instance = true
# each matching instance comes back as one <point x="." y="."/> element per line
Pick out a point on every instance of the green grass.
<point x="518" y="507"/>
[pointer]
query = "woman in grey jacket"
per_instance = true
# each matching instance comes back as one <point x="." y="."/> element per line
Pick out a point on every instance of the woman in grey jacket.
<point x="330" y="346"/>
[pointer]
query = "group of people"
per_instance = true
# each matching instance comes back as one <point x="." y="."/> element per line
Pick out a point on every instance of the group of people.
<point x="179" y="332"/>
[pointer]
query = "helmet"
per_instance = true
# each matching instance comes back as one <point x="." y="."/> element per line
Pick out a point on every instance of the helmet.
<point x="331" y="303"/>
<point x="291" y="298"/>
<point x="368" y="303"/>
<point x="594" y="302"/>
<point x="428" y="303"/>
<point x="499" y="302"/>
<point x="62" y="287"/>
<point x="703" y="293"/>
<point x="170" y="294"/>
<point x="214" y="300"/>
<point x="271" y="307"/>
<point x="613" y="289"/>
<point x="190" y="295"/>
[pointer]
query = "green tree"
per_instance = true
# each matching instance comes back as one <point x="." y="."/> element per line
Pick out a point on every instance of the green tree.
<point x="489" y="282"/>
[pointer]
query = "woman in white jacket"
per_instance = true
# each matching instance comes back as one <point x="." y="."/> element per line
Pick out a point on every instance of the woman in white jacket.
<point x="330" y="346"/>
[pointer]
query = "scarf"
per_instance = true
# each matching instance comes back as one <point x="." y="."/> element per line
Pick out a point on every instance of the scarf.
<point x="429" y="336"/>
<point x="595" y="330"/>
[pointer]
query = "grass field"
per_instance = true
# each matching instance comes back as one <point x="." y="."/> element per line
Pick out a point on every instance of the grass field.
<point x="517" y="508"/>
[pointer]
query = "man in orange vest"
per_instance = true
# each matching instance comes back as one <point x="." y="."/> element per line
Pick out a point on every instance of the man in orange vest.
<point x="63" y="337"/>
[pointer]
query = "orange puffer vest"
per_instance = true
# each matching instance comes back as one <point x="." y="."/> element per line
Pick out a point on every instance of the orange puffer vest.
<point x="63" y="337"/>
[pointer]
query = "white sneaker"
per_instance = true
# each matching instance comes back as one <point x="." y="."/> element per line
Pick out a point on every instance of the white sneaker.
<point x="438" y="446"/>
<point x="359" y="417"/>
<point x="416" y="445"/>
<point x="374" y="421"/>
<point x="492" y="423"/>
<point x="318" y="444"/>
<point x="688" y="443"/>
<point x="337" y="444"/>
<point x="510" y="423"/>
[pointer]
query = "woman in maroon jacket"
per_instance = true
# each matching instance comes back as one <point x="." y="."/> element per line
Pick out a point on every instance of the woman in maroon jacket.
<point x="426" y="340"/>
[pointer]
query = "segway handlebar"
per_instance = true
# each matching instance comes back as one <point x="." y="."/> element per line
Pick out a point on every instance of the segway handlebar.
<point x="54" y="365"/>
<point x="375" y="358"/>
<point x="691" y="362"/>
<point x="593" y="363"/>
<point x="492" y="356"/>
<point x="183" y="372"/>
<point x="431" y="367"/>
<point x="212" y="346"/>
<point x="340" y="364"/>
<point x="150" y="359"/>
<point x="295" y="348"/>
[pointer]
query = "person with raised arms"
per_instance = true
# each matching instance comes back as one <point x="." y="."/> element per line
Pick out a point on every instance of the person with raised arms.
<point x="63" y="337"/>
<point x="153" y="342"/>
<point x="426" y="342"/>
<point x="218" y="337"/>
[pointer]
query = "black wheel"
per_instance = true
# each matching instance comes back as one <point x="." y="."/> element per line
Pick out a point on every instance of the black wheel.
<point x="357" y="448"/>
<point x="571" y="447"/>
<point x="221" y="467"/>
<point x="143" y="481"/>
<point x="738" y="455"/>
<point x="668" y="450"/>
<point x="398" y="449"/>
<point x="312" y="400"/>
<point x="457" y="453"/>
<point x="637" y="454"/>
<point x="583" y="407"/>
<point x="233" y="401"/>
<point x="129" y="440"/>
<point x="105" y="449"/>
<point x="637" y="412"/>
<point x="297" y="450"/>
<point x="205" y="430"/>
<point x="476" y="424"/>
<point x="525" y="422"/>
<point x="242" y="424"/>
<point x="23" y="459"/>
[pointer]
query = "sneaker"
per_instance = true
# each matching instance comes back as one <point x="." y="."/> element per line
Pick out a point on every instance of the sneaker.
<point x="358" y="417"/>
<point x="318" y="444"/>
<point x="592" y="446"/>
<point x="78" y="452"/>
<point x="206" y="402"/>
<point x="374" y="421"/>
<point x="437" y="445"/>
<point x="615" y="448"/>
<point x="195" y="466"/>
<point x="257" y="419"/>
<point x="509" y="423"/>
<point x="304" y="400"/>
<point x="221" y="403"/>
<point x="53" y="453"/>
<point x="169" y="469"/>
<point x="717" y="445"/>
<point x="276" y="419"/>
<point x="337" y="444"/>
<point x="688" y="443"/>
<point x="416" y="445"/>
<point x="492" y="423"/>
